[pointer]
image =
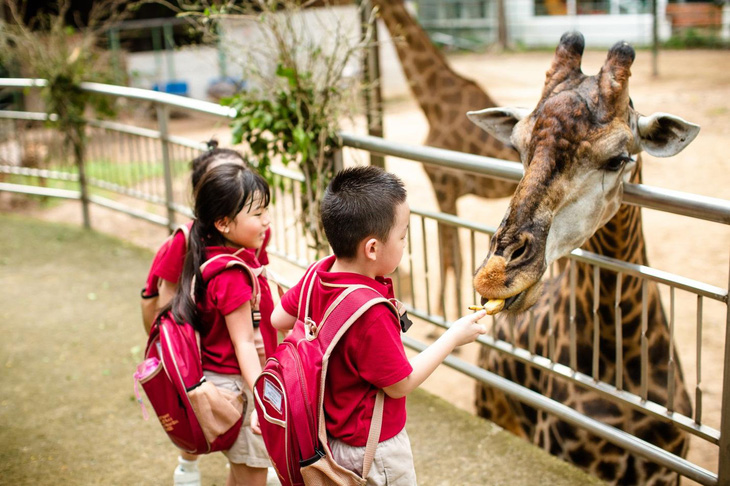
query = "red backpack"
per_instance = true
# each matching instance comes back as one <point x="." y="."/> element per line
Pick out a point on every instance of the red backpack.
<point x="151" y="292"/>
<point x="289" y="393"/>
<point x="198" y="417"/>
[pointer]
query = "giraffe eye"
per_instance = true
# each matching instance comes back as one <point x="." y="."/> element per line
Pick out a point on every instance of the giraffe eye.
<point x="616" y="163"/>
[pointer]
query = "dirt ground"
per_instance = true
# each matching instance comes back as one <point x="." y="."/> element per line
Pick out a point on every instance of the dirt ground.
<point x="692" y="84"/>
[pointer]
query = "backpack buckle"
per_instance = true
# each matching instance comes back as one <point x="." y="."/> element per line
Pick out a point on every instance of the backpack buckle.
<point x="310" y="329"/>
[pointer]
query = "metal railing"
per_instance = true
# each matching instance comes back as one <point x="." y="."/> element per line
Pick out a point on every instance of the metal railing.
<point x="143" y="172"/>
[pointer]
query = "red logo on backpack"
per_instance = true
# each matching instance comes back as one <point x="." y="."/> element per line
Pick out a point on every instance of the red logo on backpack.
<point x="289" y="392"/>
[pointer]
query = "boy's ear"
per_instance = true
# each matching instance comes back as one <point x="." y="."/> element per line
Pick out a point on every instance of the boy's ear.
<point x="371" y="248"/>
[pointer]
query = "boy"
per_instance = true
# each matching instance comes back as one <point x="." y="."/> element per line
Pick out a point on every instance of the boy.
<point x="365" y="217"/>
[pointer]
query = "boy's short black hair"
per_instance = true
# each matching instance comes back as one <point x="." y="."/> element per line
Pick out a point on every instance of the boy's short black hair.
<point x="360" y="202"/>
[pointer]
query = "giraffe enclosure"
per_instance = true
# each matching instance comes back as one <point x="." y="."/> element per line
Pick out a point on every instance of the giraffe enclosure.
<point x="692" y="84"/>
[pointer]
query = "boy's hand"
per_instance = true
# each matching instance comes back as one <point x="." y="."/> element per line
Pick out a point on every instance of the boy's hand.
<point x="466" y="329"/>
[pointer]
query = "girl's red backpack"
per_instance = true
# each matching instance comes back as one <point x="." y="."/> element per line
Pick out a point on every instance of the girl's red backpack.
<point x="198" y="417"/>
<point x="289" y="392"/>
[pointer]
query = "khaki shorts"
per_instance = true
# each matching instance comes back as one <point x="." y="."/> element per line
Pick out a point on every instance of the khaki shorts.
<point x="392" y="466"/>
<point x="249" y="448"/>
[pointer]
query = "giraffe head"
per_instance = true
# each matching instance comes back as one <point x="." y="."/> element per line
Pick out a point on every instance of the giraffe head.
<point x="577" y="147"/>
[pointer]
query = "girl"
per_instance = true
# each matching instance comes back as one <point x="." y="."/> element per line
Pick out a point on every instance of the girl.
<point x="231" y="217"/>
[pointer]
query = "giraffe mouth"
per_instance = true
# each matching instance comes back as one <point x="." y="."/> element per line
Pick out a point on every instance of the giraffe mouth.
<point x="521" y="301"/>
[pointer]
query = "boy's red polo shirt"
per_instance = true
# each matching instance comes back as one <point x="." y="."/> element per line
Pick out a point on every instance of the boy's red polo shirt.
<point x="369" y="356"/>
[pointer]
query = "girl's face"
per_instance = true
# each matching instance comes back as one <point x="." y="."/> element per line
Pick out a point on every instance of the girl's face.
<point x="248" y="228"/>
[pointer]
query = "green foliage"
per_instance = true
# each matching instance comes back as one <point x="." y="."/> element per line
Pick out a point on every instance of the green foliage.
<point x="298" y="95"/>
<point x="693" y="38"/>
<point x="49" y="49"/>
<point x="284" y="127"/>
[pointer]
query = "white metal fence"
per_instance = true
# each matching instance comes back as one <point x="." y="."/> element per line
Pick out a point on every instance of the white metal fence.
<point x="143" y="172"/>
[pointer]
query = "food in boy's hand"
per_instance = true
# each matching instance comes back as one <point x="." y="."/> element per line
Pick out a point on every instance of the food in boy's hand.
<point x="492" y="306"/>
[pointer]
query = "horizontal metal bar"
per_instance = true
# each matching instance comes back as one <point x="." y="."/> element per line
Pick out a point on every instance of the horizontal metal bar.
<point x="26" y="115"/>
<point x="288" y="173"/>
<point x="501" y="169"/>
<point x="42" y="173"/>
<point x="110" y="204"/>
<point x="40" y="191"/>
<point x="452" y="220"/>
<point x="677" y="202"/>
<point x="613" y="435"/>
<point x="159" y="97"/>
<point x="649" y="273"/>
<point x="545" y="364"/>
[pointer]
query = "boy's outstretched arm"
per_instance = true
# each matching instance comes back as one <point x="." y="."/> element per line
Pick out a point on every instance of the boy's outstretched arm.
<point x="281" y="319"/>
<point x="463" y="331"/>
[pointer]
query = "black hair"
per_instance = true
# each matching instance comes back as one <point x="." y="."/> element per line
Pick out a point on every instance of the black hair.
<point x="222" y="192"/>
<point x="200" y="164"/>
<point x="358" y="203"/>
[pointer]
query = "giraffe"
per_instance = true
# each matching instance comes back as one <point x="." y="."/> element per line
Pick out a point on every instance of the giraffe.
<point x="444" y="97"/>
<point x="578" y="146"/>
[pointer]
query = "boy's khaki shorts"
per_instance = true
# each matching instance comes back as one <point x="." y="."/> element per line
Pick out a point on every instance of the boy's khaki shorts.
<point x="392" y="466"/>
<point x="249" y="448"/>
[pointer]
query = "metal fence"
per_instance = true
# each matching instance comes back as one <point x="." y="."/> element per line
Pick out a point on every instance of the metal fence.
<point x="143" y="172"/>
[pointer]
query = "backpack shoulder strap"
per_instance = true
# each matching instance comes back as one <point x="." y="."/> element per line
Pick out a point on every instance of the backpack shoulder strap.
<point x="350" y="305"/>
<point x="305" y="292"/>
<point x="219" y="263"/>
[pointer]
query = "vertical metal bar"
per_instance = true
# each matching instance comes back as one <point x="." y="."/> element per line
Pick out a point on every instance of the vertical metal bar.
<point x="596" y="324"/>
<point x="531" y="332"/>
<point x="473" y="255"/>
<point x="79" y="152"/>
<point x="644" y="340"/>
<point x="162" y="118"/>
<point x="670" y="363"/>
<point x="425" y="265"/>
<point x="551" y="320"/>
<point x="456" y="253"/>
<point x="442" y="278"/>
<point x="619" y="335"/>
<point x="573" y="346"/>
<point x="698" y="386"/>
<point x="410" y="266"/>
<point x="723" y="475"/>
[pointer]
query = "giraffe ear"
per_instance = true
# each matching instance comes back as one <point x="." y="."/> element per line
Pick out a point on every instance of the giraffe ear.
<point x="664" y="135"/>
<point x="498" y="122"/>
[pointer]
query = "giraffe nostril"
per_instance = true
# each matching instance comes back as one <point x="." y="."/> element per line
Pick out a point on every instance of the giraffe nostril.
<point x="519" y="251"/>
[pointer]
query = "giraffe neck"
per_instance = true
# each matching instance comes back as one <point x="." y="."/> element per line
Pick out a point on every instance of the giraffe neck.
<point x="429" y="75"/>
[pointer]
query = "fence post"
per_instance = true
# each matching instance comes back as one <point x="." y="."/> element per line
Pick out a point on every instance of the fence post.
<point x="371" y="76"/>
<point x="162" y="118"/>
<point x="79" y="148"/>
<point x="723" y="473"/>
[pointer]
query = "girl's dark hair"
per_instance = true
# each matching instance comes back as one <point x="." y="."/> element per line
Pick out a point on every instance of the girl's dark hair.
<point x="360" y="202"/>
<point x="222" y="192"/>
<point x="200" y="164"/>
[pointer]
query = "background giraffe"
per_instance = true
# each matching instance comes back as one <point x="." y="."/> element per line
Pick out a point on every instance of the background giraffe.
<point x="445" y="97"/>
<point x="576" y="147"/>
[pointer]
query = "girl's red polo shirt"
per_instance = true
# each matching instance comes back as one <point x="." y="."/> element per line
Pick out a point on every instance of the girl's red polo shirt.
<point x="369" y="356"/>
<point x="225" y="293"/>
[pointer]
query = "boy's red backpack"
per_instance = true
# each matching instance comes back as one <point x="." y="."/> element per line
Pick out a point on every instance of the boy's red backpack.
<point x="151" y="291"/>
<point x="198" y="417"/>
<point x="289" y="393"/>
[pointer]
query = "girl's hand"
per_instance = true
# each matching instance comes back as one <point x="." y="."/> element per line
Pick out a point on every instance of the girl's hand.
<point x="255" y="422"/>
<point x="466" y="329"/>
